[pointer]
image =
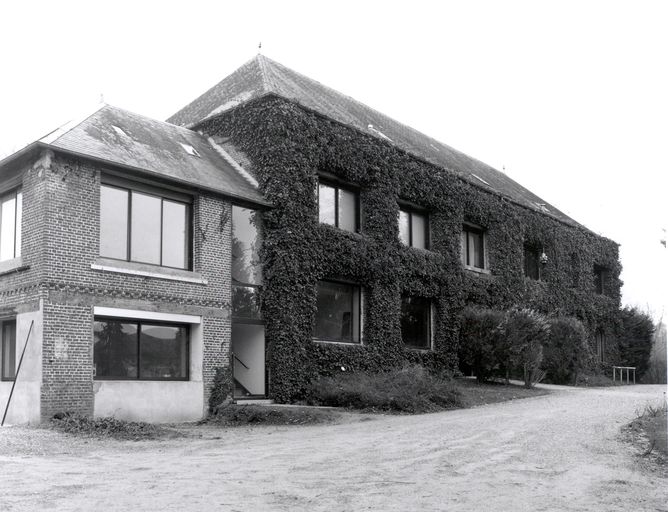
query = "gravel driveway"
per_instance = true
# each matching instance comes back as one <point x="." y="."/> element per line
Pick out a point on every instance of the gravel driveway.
<point x="556" y="452"/>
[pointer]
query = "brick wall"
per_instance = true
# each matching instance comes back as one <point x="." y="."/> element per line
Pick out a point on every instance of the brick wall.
<point x="61" y="243"/>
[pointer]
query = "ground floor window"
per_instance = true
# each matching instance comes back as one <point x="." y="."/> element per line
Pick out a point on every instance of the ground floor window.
<point x="8" y="349"/>
<point x="143" y="350"/>
<point x="416" y="322"/>
<point x="338" y="312"/>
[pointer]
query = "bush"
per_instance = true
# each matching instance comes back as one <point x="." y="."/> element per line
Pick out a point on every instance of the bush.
<point x="525" y="332"/>
<point x="235" y="415"/>
<point x="566" y="353"/>
<point x="411" y="389"/>
<point x="222" y="389"/>
<point x="76" y="424"/>
<point x="656" y="373"/>
<point x="634" y="339"/>
<point x="479" y="340"/>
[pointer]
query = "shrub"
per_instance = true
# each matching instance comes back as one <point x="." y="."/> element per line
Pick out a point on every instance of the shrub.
<point x="634" y="339"/>
<point x="76" y="424"/>
<point x="221" y="390"/>
<point x="525" y="332"/>
<point x="410" y="389"/>
<point x="566" y="352"/>
<point x="656" y="373"/>
<point x="235" y="415"/>
<point x="479" y="340"/>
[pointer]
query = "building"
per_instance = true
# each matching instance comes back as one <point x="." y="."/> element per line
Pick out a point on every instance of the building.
<point x="274" y="227"/>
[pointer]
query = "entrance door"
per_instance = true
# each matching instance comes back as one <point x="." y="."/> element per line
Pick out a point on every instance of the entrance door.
<point x="248" y="360"/>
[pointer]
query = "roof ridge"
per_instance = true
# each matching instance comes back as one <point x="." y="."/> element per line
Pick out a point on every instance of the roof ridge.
<point x="64" y="128"/>
<point x="268" y="83"/>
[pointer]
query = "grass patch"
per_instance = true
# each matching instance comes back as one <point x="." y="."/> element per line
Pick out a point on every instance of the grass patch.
<point x="648" y="432"/>
<point x="236" y="415"/>
<point x="113" y="428"/>
<point x="410" y="390"/>
<point x="475" y="393"/>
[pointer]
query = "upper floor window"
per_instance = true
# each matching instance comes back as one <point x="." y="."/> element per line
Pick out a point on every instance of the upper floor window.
<point x="338" y="207"/>
<point x="11" y="208"/>
<point x="137" y="349"/>
<point x="416" y="322"/>
<point x="246" y="266"/>
<point x="414" y="229"/>
<point x="473" y="247"/>
<point x="338" y="312"/>
<point x="7" y="349"/>
<point x="531" y="262"/>
<point x="601" y="278"/>
<point x="145" y="226"/>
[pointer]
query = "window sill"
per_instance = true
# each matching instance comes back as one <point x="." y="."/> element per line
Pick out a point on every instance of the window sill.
<point x="476" y="270"/>
<point x="334" y="342"/>
<point x="144" y="270"/>
<point x="419" y="350"/>
<point x="13" y="265"/>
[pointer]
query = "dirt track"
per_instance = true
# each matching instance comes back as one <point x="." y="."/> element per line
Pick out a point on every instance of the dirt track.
<point x="557" y="452"/>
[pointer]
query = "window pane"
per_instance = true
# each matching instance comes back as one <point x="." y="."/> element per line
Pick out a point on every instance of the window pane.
<point x="415" y="322"/>
<point x="174" y="234"/>
<point x="404" y="227"/>
<point x="114" y="223"/>
<point x="531" y="268"/>
<point x="245" y="302"/>
<point x="145" y="228"/>
<point x="419" y="227"/>
<point x="347" y="210"/>
<point x="19" y="220"/>
<point x="7" y="227"/>
<point x="8" y="350"/>
<point x="476" y="250"/>
<point x="163" y="352"/>
<point x="337" y="317"/>
<point x="246" y="243"/>
<point x="327" y="204"/>
<point x="115" y="349"/>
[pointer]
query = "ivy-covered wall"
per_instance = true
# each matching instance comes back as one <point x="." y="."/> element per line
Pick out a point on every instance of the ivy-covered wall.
<point x="289" y="146"/>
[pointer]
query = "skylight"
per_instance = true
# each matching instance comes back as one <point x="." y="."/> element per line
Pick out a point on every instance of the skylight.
<point x="189" y="149"/>
<point x="480" y="179"/>
<point x="119" y="130"/>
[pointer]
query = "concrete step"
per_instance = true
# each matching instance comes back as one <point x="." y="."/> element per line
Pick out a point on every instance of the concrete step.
<point x="253" y="401"/>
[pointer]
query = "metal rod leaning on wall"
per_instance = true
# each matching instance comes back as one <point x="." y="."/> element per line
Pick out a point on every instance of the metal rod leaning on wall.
<point x="16" y="376"/>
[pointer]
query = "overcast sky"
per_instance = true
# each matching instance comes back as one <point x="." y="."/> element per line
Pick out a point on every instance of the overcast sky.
<point x="571" y="98"/>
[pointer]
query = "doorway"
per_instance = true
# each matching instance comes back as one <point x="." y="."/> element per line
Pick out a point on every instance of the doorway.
<point x="248" y="360"/>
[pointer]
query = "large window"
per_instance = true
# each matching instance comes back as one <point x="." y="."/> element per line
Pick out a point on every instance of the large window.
<point x="11" y="208"/>
<point x="145" y="227"/>
<point x="246" y="266"/>
<point x="531" y="262"/>
<point x="416" y="322"/>
<point x="473" y="247"/>
<point x="338" y="312"/>
<point x="338" y="207"/>
<point x="414" y="229"/>
<point x="601" y="278"/>
<point x="8" y="349"/>
<point x="144" y="350"/>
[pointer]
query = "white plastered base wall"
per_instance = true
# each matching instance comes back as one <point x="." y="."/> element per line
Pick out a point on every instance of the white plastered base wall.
<point x="155" y="401"/>
<point x="25" y="403"/>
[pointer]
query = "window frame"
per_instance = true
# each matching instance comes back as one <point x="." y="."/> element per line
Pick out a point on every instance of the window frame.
<point x="18" y="218"/>
<point x="467" y="228"/>
<point x="411" y="210"/>
<point x="430" y="326"/>
<point x="139" y="322"/>
<point x="337" y="187"/>
<point x="3" y="377"/>
<point x="535" y="252"/>
<point x="163" y="195"/>
<point x="601" y="278"/>
<point x="356" y="289"/>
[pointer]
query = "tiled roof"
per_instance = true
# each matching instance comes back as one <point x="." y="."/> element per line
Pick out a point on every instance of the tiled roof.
<point x="262" y="76"/>
<point x="157" y="148"/>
